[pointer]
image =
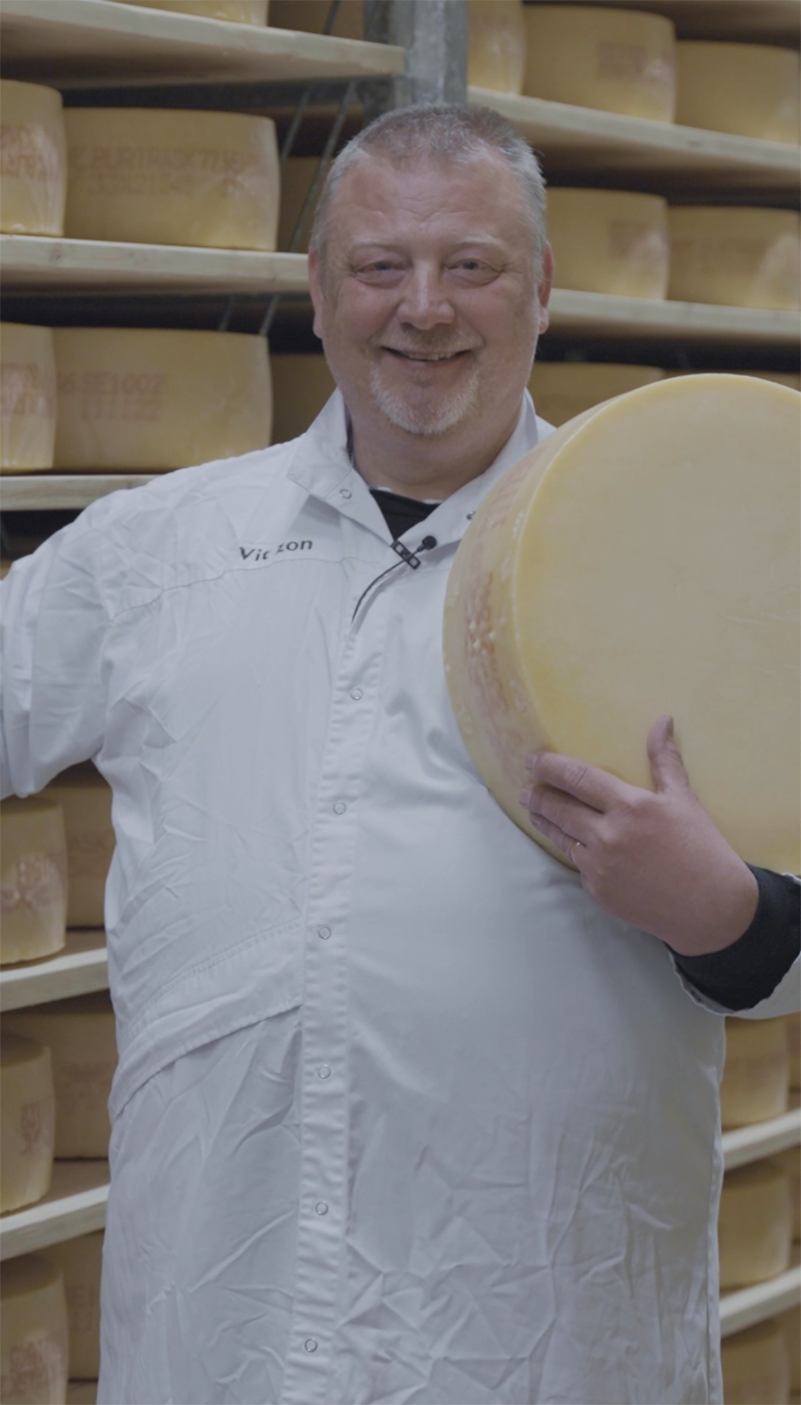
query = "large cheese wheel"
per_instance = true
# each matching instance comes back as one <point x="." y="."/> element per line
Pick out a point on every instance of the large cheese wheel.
<point x="609" y="241"/>
<point x="755" y="1367"/>
<point x="27" y="1121"/>
<point x="85" y="798"/>
<point x="312" y="15"/>
<point x="234" y="11"/>
<point x="297" y="175"/>
<point x="33" y="879"/>
<point x="301" y="386"/>
<point x="749" y="89"/>
<point x="793" y="1023"/>
<point x="496" y="45"/>
<point x="172" y="177"/>
<point x="790" y="1323"/>
<point x="80" y="1035"/>
<point x="643" y="560"/>
<point x="152" y="399"/>
<point x="27" y="398"/>
<point x="563" y="389"/>
<point x="33" y="160"/>
<point x="790" y="1161"/>
<point x="80" y="1261"/>
<point x="82" y="1393"/>
<point x="755" y="1079"/>
<point x="740" y="256"/>
<point x="615" y="60"/>
<point x="34" y="1345"/>
<point x="755" y="1225"/>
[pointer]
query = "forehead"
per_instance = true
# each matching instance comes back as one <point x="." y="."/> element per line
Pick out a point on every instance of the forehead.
<point x="476" y="198"/>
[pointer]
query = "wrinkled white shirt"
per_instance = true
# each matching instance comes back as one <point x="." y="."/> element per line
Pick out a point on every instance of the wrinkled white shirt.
<point x="400" y="1115"/>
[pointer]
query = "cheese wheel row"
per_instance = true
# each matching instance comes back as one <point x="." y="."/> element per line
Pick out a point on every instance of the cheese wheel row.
<point x="635" y="245"/>
<point x="80" y="1262"/>
<point x="27" y="1120"/>
<point x="756" y="1366"/>
<point x="85" y="800"/>
<point x="33" y="879"/>
<point x="755" y="1225"/>
<point x="756" y="1075"/>
<point x="34" y="1346"/>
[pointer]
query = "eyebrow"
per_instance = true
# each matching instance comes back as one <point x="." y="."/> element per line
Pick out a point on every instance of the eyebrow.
<point x="364" y="245"/>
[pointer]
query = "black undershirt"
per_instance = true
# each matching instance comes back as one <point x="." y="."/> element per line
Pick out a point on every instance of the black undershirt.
<point x="749" y="970"/>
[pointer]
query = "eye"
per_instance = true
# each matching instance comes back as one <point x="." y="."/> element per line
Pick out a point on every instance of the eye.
<point x="381" y="271"/>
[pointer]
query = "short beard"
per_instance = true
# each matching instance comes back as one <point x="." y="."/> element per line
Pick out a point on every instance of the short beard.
<point x="446" y="414"/>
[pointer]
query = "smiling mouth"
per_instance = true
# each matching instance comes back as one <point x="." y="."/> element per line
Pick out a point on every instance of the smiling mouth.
<point x="426" y="360"/>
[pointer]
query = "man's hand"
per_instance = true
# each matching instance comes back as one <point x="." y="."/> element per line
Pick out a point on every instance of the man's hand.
<point x="655" y="860"/>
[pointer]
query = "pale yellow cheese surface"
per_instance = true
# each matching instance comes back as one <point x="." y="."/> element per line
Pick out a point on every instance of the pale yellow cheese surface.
<point x="34" y="1340"/>
<point x="312" y="15"/>
<point x="790" y="1323"/>
<point x="644" y="560"/>
<point x="80" y="1035"/>
<point x="755" y="1225"/>
<point x="80" y="1261"/>
<point x="609" y="241"/>
<point x="562" y="389"/>
<point x="737" y="255"/>
<point x="143" y="175"/>
<point x="27" y="397"/>
<point x="615" y="60"/>
<point x="301" y="386"/>
<point x="751" y="90"/>
<point x="755" y="1083"/>
<point x="82" y="1393"/>
<point x="790" y="1161"/>
<point x="85" y="798"/>
<point x="793" y="1023"/>
<point x="755" y="1366"/>
<point x="151" y="399"/>
<point x="33" y="159"/>
<point x="496" y="45"/>
<point x="234" y="11"/>
<point x="33" y="879"/>
<point x="27" y="1120"/>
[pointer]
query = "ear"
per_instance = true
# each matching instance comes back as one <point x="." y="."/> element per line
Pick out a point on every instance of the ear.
<point x="316" y="292"/>
<point x="544" y="286"/>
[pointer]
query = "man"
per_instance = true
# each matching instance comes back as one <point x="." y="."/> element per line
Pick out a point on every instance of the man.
<point x="403" y="1113"/>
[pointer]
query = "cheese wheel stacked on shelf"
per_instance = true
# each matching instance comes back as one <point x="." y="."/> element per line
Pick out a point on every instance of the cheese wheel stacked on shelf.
<point x="208" y="179"/>
<point x="297" y="175"/>
<point x="301" y="386"/>
<point x="756" y="1074"/>
<point x="35" y="1340"/>
<point x="82" y="1393"/>
<point x="496" y="56"/>
<point x="27" y="398"/>
<point x="740" y="256"/>
<point x="85" y="799"/>
<point x="613" y="60"/>
<point x="755" y="1366"/>
<point x="751" y="90"/>
<point x="234" y="11"/>
<point x="793" y="1023"/>
<point x="755" y="1225"/>
<point x="562" y="389"/>
<point x="80" y="1034"/>
<point x="609" y="241"/>
<point x="790" y="1323"/>
<point x="27" y="1120"/>
<point x="311" y="16"/>
<point x="150" y="400"/>
<point x="80" y="1261"/>
<point x="33" y="879"/>
<point x="33" y="172"/>
<point x="790" y="1162"/>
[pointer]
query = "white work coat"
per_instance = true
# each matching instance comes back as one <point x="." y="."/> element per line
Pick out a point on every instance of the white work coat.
<point x="400" y="1114"/>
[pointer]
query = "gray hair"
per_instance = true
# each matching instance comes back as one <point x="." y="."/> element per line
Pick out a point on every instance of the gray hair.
<point x="438" y="132"/>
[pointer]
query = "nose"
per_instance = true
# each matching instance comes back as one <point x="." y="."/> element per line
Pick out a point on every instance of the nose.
<point x="425" y="302"/>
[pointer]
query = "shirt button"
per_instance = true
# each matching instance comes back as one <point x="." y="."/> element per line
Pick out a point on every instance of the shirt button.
<point x="321" y="1208"/>
<point x="345" y="493"/>
<point x="340" y="807"/>
<point x="356" y="694"/>
<point x="323" y="933"/>
<point x="310" y="1344"/>
<point x="323" y="1071"/>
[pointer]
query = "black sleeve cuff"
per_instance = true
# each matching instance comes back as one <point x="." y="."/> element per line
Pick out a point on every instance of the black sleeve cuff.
<point x="751" y="968"/>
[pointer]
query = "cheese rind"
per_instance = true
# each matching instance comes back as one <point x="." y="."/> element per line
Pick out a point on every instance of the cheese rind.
<point x="27" y="1119"/>
<point x="790" y="1162"/>
<point x="755" y="1225"/>
<point x="33" y="159"/>
<point x="790" y="1323"/>
<point x="206" y="179"/>
<point x="33" y="879"/>
<point x="496" y="45"/>
<point x="27" y="398"/>
<point x="234" y="11"/>
<point x="301" y="387"/>
<point x="563" y="389"/>
<point x="80" y="1034"/>
<point x="614" y="60"/>
<point x="80" y="1261"/>
<point x="740" y="256"/>
<point x="755" y="1366"/>
<point x="85" y="799"/>
<point x="34" y="1344"/>
<point x="82" y="1393"/>
<point x="609" y="241"/>
<point x="565" y="628"/>
<point x="794" y="1043"/>
<point x="754" y="1086"/>
<point x="310" y="16"/>
<point x="751" y="90"/>
<point x="151" y="399"/>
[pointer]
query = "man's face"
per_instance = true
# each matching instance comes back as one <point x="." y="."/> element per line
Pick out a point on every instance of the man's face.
<point x="428" y="305"/>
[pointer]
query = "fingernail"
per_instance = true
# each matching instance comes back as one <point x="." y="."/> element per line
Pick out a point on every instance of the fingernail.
<point x="524" y="795"/>
<point x="531" y="760"/>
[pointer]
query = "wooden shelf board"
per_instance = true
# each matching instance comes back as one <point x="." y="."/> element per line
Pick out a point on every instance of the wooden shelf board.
<point x="757" y="21"/>
<point x="745" y="1144"/>
<point x="583" y="139"/>
<point x="34" y="264"/>
<point x="604" y="315"/>
<point x="24" y="491"/>
<point x="75" y="1204"/>
<point x="77" y="43"/>
<point x="80" y="968"/>
<point x="750" y="1305"/>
